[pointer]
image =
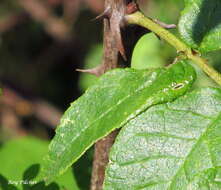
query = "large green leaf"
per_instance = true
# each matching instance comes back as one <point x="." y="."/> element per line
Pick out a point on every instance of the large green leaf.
<point x="200" y="24"/>
<point x="116" y="98"/>
<point x="173" y="146"/>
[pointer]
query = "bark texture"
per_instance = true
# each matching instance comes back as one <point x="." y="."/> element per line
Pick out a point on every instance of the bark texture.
<point x="102" y="148"/>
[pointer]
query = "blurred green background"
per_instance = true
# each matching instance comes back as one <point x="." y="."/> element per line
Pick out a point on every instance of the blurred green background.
<point x="42" y="43"/>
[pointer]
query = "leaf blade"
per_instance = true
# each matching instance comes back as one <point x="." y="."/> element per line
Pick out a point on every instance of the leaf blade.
<point x="108" y="105"/>
<point x="165" y="152"/>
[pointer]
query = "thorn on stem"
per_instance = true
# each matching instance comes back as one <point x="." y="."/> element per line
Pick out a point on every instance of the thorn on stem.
<point x="90" y="71"/>
<point x="164" y="25"/>
<point x="97" y="71"/>
<point x="105" y="14"/>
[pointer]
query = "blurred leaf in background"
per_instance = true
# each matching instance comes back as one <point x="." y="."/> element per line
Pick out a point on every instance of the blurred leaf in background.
<point x="146" y="53"/>
<point x="20" y="160"/>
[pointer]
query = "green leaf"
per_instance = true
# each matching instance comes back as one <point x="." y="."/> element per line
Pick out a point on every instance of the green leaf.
<point x="116" y="98"/>
<point x="200" y="24"/>
<point x="173" y="146"/>
<point x="147" y="48"/>
<point x="21" y="160"/>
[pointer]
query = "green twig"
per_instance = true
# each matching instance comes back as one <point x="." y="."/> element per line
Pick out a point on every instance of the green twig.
<point x="139" y="19"/>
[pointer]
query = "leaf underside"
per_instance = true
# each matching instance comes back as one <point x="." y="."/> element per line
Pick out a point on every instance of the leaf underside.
<point x="200" y="24"/>
<point x="173" y="146"/>
<point x="116" y="98"/>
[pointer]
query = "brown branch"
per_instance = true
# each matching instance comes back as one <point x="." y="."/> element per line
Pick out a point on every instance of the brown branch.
<point x="118" y="40"/>
<point x="110" y="61"/>
<point x="113" y="19"/>
<point x="102" y="148"/>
